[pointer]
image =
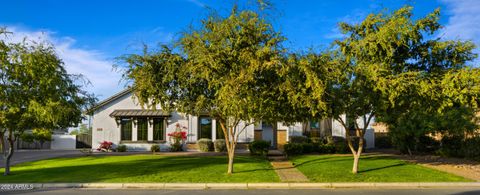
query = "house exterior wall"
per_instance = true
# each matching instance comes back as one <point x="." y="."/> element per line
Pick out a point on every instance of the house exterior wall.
<point x="105" y="128"/>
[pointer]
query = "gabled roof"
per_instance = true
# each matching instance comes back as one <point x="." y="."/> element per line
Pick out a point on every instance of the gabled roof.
<point x="110" y="99"/>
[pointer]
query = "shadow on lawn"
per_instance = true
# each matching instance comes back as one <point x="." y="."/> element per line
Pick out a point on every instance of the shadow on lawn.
<point x="141" y="169"/>
<point x="340" y="159"/>
<point x="380" y="168"/>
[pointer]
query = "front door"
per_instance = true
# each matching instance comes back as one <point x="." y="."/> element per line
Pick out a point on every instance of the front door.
<point x="267" y="132"/>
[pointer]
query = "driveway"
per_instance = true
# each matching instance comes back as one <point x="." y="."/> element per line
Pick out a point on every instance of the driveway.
<point x="21" y="156"/>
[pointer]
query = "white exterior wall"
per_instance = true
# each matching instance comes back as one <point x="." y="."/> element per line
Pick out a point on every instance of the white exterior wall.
<point x="105" y="128"/>
<point x="339" y="130"/>
<point x="63" y="142"/>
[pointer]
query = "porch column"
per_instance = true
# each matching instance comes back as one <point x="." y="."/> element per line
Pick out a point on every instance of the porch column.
<point x="150" y="129"/>
<point x="134" y="129"/>
<point x="214" y="129"/>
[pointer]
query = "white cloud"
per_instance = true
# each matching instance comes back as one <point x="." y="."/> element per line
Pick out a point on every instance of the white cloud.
<point x="464" y="21"/>
<point x="94" y="65"/>
<point x="198" y="3"/>
<point x="356" y="17"/>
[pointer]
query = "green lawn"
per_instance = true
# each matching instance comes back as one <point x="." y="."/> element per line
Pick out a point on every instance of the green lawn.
<point x="334" y="168"/>
<point x="142" y="168"/>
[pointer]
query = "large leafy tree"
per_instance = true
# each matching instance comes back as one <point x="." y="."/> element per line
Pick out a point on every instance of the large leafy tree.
<point x="36" y="92"/>
<point x="225" y="67"/>
<point x="371" y="70"/>
<point x="385" y="49"/>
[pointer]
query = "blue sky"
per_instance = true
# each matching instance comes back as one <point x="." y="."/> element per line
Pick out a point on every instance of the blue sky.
<point x="88" y="34"/>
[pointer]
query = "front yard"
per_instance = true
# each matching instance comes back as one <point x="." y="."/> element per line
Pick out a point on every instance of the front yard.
<point x="206" y="169"/>
<point x="142" y="168"/>
<point x="337" y="168"/>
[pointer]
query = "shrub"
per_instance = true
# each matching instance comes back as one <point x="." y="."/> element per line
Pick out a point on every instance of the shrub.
<point x="27" y="137"/>
<point x="341" y="147"/>
<point x="427" y="144"/>
<point x="205" y="145"/>
<point x="298" y="139"/>
<point x="121" y="148"/>
<point x="334" y="139"/>
<point x="452" y="146"/>
<point x="155" y="148"/>
<point x="457" y="146"/>
<point x="383" y="142"/>
<point x="326" y="149"/>
<point x="307" y="148"/>
<point x="259" y="147"/>
<point x="220" y="145"/>
<point x="471" y="148"/>
<point x="292" y="149"/>
<point x="316" y="140"/>
<point x="105" y="146"/>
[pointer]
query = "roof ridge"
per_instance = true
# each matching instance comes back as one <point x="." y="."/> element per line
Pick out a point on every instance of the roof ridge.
<point x="110" y="99"/>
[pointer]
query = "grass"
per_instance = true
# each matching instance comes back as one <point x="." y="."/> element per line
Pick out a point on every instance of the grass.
<point x="142" y="168"/>
<point x="336" y="168"/>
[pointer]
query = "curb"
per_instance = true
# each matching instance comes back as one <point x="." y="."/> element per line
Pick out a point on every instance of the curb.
<point x="206" y="186"/>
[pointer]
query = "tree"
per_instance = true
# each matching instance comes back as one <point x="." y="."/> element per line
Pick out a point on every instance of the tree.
<point x="82" y="129"/>
<point x="36" y="92"/>
<point x="226" y="68"/>
<point x="385" y="49"/>
<point x="369" y="73"/>
<point x="445" y="103"/>
<point x="42" y="135"/>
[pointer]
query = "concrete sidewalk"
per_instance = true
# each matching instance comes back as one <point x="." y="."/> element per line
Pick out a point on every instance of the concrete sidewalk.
<point x="205" y="186"/>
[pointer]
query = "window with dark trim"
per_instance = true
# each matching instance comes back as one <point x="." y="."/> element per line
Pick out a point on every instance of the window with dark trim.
<point x="126" y="129"/>
<point x="158" y="129"/>
<point x="205" y="127"/>
<point x="142" y="129"/>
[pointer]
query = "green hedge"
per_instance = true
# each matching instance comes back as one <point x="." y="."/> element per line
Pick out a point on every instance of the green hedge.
<point x="458" y="146"/>
<point x="121" y="148"/>
<point x="259" y="147"/>
<point x="220" y="145"/>
<point x="292" y="149"/>
<point x="205" y="145"/>
<point x="155" y="148"/>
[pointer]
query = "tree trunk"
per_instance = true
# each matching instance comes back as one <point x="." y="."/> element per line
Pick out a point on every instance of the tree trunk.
<point x="7" y="156"/>
<point x="356" y="159"/>
<point x="231" y="155"/>
<point x="275" y="136"/>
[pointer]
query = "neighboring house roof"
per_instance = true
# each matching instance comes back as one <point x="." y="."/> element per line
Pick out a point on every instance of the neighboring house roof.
<point x="138" y="112"/>
<point x="110" y="99"/>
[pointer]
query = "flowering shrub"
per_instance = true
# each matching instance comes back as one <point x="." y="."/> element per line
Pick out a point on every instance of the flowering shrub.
<point x="105" y="146"/>
<point x="177" y="138"/>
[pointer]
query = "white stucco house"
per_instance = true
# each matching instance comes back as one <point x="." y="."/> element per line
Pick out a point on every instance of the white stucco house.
<point x="121" y="120"/>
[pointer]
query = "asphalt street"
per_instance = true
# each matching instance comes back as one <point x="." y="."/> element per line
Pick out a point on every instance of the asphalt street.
<point x="464" y="191"/>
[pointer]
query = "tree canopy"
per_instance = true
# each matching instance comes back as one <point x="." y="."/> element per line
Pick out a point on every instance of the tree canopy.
<point x="226" y="68"/>
<point x="36" y="92"/>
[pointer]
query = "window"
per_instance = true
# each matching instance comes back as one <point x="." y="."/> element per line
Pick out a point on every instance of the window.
<point x="126" y="129"/>
<point x="314" y="129"/>
<point x="158" y="129"/>
<point x="142" y="129"/>
<point x="205" y="127"/>
<point x="219" y="131"/>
